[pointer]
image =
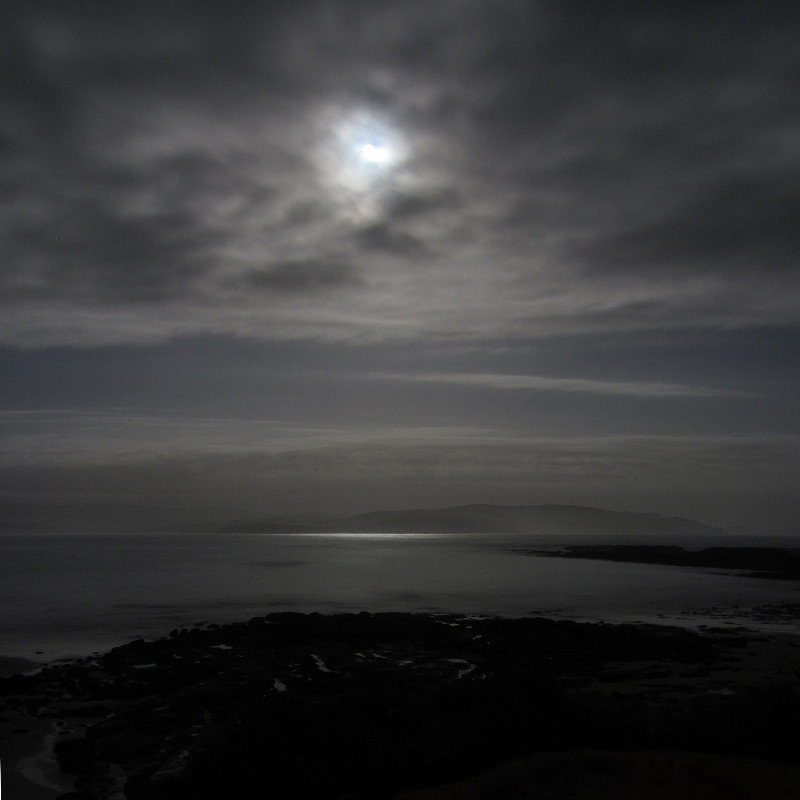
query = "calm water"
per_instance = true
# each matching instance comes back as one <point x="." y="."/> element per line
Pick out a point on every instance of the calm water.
<point x="74" y="594"/>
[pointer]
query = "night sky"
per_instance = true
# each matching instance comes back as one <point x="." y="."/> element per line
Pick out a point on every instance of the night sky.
<point x="336" y="257"/>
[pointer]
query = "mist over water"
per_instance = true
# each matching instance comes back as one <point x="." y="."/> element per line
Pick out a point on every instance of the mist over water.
<point x="73" y="594"/>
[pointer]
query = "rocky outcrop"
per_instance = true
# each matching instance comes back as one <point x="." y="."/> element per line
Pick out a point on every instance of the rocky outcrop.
<point x="363" y="706"/>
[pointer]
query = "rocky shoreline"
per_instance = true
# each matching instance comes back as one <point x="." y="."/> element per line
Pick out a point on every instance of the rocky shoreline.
<point x="373" y="705"/>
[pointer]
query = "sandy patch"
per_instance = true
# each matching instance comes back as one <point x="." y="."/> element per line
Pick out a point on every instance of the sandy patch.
<point x="29" y="769"/>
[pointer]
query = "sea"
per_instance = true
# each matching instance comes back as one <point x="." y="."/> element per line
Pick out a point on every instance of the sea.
<point x="72" y="595"/>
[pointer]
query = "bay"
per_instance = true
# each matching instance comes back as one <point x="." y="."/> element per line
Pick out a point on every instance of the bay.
<point x="73" y="594"/>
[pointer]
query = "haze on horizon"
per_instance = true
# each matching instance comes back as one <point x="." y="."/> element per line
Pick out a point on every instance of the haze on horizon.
<point x="313" y="257"/>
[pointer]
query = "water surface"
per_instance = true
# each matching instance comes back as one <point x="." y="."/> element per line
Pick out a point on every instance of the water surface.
<point x="73" y="594"/>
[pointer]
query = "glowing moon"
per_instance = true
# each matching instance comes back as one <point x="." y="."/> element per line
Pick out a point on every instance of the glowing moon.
<point x="361" y="156"/>
<point x="375" y="154"/>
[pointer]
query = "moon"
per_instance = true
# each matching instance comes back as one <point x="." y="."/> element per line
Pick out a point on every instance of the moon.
<point x="361" y="156"/>
<point x="376" y="154"/>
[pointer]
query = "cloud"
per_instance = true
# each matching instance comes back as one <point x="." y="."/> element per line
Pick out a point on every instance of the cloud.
<point x="542" y="383"/>
<point x="405" y="205"/>
<point x="587" y="231"/>
<point x="96" y="257"/>
<point x="738" y="227"/>
<point x="300" y="276"/>
<point x="385" y="238"/>
<point x="565" y="168"/>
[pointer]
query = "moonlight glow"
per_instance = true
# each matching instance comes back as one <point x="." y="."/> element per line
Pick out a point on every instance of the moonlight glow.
<point x="376" y="154"/>
<point x="361" y="155"/>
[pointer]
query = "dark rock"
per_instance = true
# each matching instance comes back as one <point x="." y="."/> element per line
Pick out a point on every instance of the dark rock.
<point x="74" y="755"/>
<point x="379" y="703"/>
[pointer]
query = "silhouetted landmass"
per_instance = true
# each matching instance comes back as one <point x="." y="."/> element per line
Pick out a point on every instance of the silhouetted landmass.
<point x="486" y="518"/>
<point x="764" y="561"/>
<point x="476" y="518"/>
<point x="363" y="706"/>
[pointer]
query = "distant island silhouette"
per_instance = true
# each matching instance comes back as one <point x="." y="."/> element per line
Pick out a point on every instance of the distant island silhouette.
<point x="488" y="518"/>
<point x="22" y="517"/>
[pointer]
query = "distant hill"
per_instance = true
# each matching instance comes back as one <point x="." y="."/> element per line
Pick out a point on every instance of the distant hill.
<point x="476" y="518"/>
<point x="482" y="518"/>
<point x="485" y="518"/>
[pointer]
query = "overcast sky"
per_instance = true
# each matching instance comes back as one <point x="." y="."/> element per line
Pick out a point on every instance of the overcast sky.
<point x="347" y="256"/>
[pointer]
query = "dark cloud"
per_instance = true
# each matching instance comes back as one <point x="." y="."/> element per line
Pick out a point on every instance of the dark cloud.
<point x="94" y="256"/>
<point x="738" y="227"/>
<point x="301" y="276"/>
<point x="159" y="156"/>
<point x="385" y="237"/>
<point x="402" y="205"/>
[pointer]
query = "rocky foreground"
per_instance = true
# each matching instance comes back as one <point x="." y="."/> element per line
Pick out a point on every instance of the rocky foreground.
<point x="374" y="705"/>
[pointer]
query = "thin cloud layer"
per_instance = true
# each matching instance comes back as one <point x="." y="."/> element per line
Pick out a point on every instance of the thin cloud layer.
<point x="725" y="480"/>
<point x="543" y="383"/>
<point x="556" y="167"/>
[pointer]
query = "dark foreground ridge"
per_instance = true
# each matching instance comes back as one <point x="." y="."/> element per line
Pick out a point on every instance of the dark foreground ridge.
<point x="767" y="562"/>
<point x="373" y="705"/>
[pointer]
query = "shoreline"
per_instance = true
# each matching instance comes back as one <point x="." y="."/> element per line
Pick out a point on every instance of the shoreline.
<point x="752" y="562"/>
<point x="14" y="665"/>
<point x="29" y="767"/>
<point x="196" y="692"/>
